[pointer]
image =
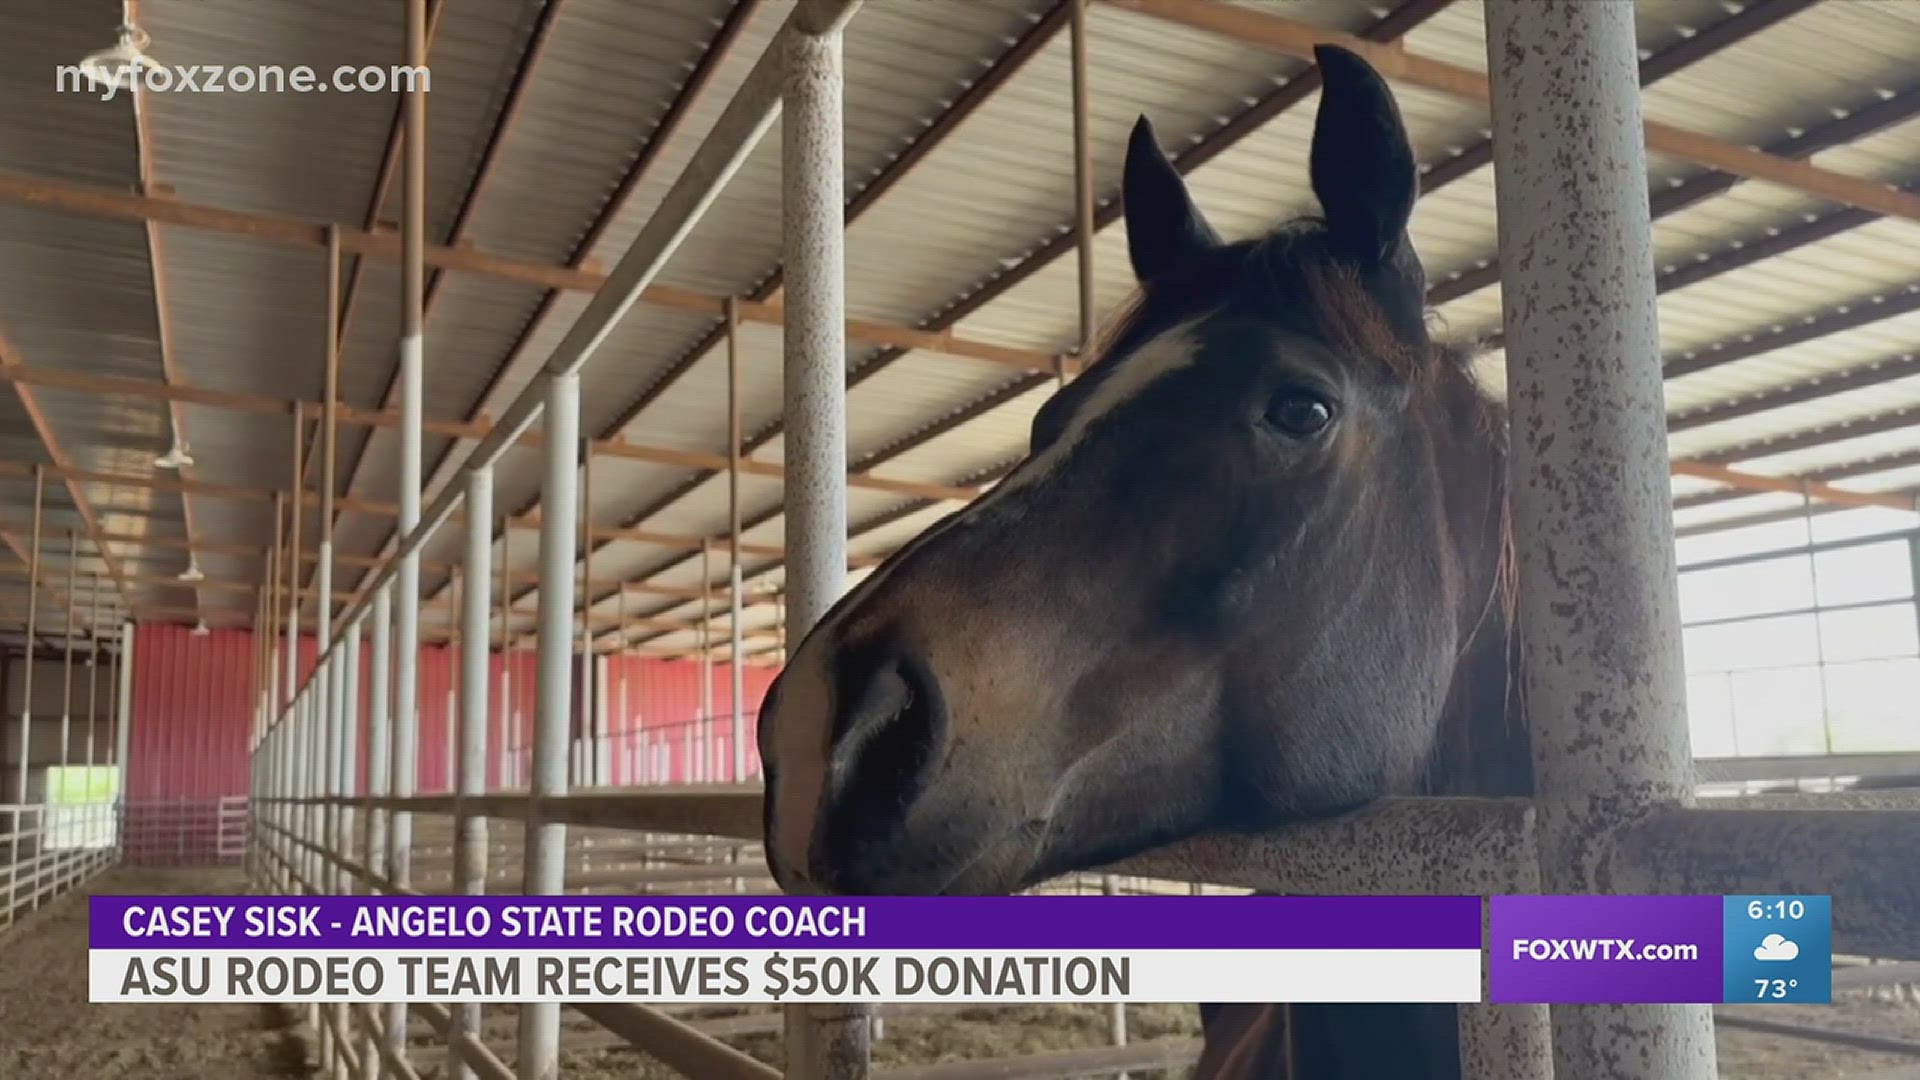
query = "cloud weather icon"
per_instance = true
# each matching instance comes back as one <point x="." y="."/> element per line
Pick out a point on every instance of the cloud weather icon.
<point x="1775" y="947"/>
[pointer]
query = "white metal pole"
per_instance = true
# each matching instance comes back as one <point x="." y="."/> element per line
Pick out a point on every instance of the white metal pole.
<point x="546" y="841"/>
<point x="379" y="769"/>
<point x="47" y="816"/>
<point x="90" y="816"/>
<point x="503" y="767"/>
<point x="470" y="829"/>
<point x="406" y="707"/>
<point x="1591" y="492"/>
<point x="346" y="779"/>
<point x="17" y="821"/>
<point x="824" y="1042"/>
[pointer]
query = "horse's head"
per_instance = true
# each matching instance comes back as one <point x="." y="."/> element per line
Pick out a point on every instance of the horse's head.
<point x="1228" y="587"/>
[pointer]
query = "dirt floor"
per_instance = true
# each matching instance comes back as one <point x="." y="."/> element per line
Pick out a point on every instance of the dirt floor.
<point x="48" y="1031"/>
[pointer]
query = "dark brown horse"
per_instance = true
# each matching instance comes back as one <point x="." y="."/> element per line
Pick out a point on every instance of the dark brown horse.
<point x="1250" y="575"/>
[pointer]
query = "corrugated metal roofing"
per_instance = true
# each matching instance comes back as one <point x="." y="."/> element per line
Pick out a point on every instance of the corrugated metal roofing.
<point x="556" y="127"/>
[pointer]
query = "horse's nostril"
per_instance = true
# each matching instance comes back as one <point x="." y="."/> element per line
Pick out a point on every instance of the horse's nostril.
<point x="888" y="728"/>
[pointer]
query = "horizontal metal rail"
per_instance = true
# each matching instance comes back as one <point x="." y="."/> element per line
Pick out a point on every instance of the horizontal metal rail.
<point x="1814" y="843"/>
<point x="471" y="1050"/>
<point x="1871" y="976"/>
<point x="1807" y="766"/>
<point x="45" y="872"/>
<point x="1857" y="1040"/>
<point x="677" y="1044"/>
<point x="1153" y="1055"/>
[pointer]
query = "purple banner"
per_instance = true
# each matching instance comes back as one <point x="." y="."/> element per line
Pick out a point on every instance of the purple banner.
<point x="1617" y="950"/>
<point x="745" y="922"/>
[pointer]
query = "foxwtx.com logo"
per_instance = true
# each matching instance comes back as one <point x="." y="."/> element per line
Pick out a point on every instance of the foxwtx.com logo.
<point x="1587" y="949"/>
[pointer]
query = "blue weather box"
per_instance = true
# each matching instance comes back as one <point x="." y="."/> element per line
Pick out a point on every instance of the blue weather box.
<point x="1779" y="949"/>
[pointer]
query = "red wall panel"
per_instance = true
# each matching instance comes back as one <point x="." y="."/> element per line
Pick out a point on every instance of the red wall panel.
<point x="663" y="701"/>
<point x="193" y="702"/>
<point x="192" y="713"/>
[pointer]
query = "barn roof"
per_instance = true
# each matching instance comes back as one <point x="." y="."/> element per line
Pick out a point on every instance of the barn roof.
<point x="163" y="263"/>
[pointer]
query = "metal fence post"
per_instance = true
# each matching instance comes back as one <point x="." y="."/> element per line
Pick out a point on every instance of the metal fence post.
<point x="1599" y="610"/>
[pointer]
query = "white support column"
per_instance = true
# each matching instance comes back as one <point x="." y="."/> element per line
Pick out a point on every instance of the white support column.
<point x="17" y="822"/>
<point x="602" y="732"/>
<point x="406" y="697"/>
<point x="470" y="780"/>
<point x="824" y="1042"/>
<point x="89" y="815"/>
<point x="1592" y="498"/>
<point x="546" y="842"/>
<point x="346" y="778"/>
<point x="49" y="814"/>
<point x="123" y="731"/>
<point x="379" y="768"/>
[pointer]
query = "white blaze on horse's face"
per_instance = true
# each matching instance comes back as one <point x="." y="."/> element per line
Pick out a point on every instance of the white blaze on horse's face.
<point x="1132" y="376"/>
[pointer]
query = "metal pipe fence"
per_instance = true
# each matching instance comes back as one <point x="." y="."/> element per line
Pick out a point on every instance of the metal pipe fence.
<point x="185" y="831"/>
<point x="58" y="848"/>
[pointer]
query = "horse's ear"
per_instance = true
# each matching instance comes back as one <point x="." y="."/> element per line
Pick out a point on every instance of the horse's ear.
<point x="1362" y="165"/>
<point x="1164" y="228"/>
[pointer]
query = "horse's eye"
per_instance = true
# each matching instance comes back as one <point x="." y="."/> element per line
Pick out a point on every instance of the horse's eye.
<point x="1299" y="413"/>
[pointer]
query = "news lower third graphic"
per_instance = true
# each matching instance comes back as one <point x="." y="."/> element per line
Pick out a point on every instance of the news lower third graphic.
<point x="1537" y="949"/>
<point x="770" y="949"/>
<point x="1675" y="950"/>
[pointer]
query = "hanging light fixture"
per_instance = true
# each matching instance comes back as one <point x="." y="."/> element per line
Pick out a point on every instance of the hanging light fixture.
<point x="175" y="458"/>
<point x="117" y="66"/>
<point x="200" y="629"/>
<point x="192" y="572"/>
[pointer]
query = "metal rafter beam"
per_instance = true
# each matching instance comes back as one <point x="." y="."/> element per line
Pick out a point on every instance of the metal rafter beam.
<point x="1010" y="63"/>
<point x="1862" y="377"/>
<point x="89" y="201"/>
<point x="246" y="551"/>
<point x="1394" y="25"/>
<point x="1390" y="27"/>
<point x="768" y="291"/>
<point x="18" y="470"/>
<point x="508" y="372"/>
<point x="532" y="440"/>
<point x="1858" y="124"/>
<point x="1822" y="435"/>
<point x="509" y="112"/>
<point x="1728" y="32"/>
<point x="1769" y="517"/>
<point x="1850" y="470"/>
<point x="1292" y="37"/>
<point x="62" y="466"/>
